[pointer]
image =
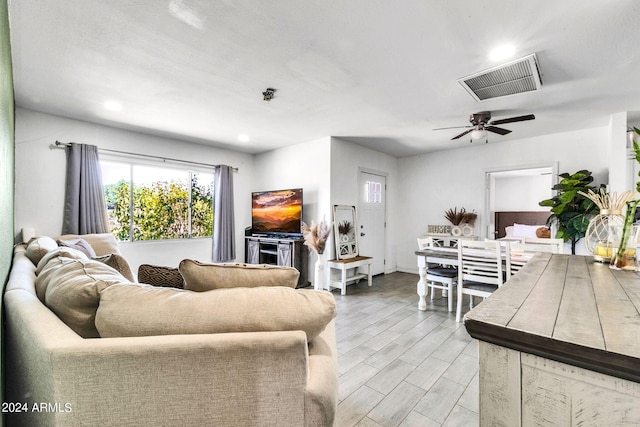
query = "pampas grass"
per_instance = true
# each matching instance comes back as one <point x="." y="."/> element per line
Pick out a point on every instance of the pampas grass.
<point x="315" y="237"/>
<point x="457" y="217"/>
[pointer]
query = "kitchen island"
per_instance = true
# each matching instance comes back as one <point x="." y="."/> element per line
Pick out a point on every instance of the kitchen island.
<point x="559" y="344"/>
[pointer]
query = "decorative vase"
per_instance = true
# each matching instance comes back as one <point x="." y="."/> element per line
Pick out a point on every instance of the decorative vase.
<point x="456" y="231"/>
<point x="625" y="241"/>
<point x="467" y="230"/>
<point x="624" y="258"/>
<point x="597" y="237"/>
<point x="319" y="275"/>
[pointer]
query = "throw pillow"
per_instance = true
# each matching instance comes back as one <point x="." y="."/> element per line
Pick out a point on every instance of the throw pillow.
<point x="204" y="277"/>
<point x="50" y="263"/>
<point x="79" y="244"/>
<point x="143" y="310"/>
<point x="119" y="263"/>
<point x="160" y="276"/>
<point x="543" y="233"/>
<point x="38" y="247"/>
<point x="102" y="243"/>
<point x="73" y="292"/>
<point x="521" y="230"/>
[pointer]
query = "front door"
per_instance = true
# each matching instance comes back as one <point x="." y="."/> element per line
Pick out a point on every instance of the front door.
<point x="372" y="219"/>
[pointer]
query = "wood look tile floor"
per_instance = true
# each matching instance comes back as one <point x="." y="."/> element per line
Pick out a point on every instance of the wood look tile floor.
<point x="399" y="366"/>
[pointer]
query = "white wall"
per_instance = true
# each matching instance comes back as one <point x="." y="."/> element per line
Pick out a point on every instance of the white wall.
<point x="522" y="193"/>
<point x="305" y="165"/>
<point x="434" y="182"/>
<point x="347" y="160"/>
<point x="40" y="177"/>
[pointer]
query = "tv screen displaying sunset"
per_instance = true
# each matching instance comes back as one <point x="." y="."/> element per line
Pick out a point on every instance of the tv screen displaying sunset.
<point x="277" y="211"/>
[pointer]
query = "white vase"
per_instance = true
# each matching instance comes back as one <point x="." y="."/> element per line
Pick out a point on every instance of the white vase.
<point x="319" y="275"/>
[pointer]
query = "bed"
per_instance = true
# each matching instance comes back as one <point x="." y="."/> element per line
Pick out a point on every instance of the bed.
<point x="528" y="222"/>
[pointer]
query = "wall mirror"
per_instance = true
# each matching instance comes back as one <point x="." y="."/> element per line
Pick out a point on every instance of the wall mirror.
<point x="345" y="231"/>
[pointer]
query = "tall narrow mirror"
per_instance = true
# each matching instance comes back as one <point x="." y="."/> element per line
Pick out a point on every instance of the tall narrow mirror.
<point x="345" y="232"/>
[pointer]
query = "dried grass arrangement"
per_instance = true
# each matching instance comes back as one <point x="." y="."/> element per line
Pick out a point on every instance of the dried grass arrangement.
<point x="315" y="236"/>
<point x="457" y="217"/>
<point x="344" y="227"/>
<point x="609" y="201"/>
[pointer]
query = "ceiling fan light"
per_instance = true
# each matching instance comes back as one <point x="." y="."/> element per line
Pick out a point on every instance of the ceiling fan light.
<point x="478" y="134"/>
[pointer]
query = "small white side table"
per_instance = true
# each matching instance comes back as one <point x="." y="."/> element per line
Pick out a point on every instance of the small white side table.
<point x="347" y="264"/>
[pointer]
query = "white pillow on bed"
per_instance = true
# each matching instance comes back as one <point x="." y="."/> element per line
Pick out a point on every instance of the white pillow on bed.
<point x="508" y="231"/>
<point x="521" y="230"/>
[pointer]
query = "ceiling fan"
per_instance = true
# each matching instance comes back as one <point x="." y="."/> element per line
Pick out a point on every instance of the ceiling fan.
<point x="480" y="124"/>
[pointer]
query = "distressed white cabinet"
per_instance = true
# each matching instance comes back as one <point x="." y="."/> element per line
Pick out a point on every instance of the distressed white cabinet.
<point x="558" y="346"/>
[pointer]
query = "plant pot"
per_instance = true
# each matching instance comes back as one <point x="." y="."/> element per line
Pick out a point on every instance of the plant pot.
<point x="624" y="259"/>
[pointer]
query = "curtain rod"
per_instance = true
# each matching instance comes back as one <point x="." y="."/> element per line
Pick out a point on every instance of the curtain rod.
<point x="164" y="159"/>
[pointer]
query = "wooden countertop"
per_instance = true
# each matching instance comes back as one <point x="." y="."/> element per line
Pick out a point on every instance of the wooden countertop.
<point x="567" y="308"/>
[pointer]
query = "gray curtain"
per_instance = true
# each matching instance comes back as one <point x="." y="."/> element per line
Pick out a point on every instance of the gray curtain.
<point x="84" y="206"/>
<point x="224" y="246"/>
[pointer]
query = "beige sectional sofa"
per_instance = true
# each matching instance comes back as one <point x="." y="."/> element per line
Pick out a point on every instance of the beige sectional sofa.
<point x="55" y="377"/>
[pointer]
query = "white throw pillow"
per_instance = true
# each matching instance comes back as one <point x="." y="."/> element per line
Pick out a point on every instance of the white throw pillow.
<point x="521" y="230"/>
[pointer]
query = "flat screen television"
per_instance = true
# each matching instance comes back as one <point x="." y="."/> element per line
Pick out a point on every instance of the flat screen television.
<point x="277" y="212"/>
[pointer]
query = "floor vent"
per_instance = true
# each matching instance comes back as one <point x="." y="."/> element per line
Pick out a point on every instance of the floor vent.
<point x="519" y="76"/>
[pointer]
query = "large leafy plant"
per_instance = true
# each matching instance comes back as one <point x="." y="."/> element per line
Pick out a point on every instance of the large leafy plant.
<point x="636" y="148"/>
<point x="570" y="210"/>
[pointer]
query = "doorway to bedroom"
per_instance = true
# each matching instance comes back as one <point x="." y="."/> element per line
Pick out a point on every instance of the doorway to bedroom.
<point x="518" y="190"/>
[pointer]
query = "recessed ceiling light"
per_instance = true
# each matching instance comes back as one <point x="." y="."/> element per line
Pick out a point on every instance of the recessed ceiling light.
<point x="243" y="137"/>
<point x="113" y="106"/>
<point x="500" y="53"/>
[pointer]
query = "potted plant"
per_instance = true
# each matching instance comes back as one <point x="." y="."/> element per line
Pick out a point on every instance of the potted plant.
<point x="571" y="211"/>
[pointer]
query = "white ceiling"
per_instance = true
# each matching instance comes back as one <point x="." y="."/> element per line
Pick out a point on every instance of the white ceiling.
<point x="381" y="73"/>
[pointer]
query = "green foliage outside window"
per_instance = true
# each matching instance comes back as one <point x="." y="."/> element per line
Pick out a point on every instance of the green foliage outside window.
<point x="160" y="210"/>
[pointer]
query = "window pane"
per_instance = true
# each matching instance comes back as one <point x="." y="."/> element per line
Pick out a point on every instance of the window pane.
<point x="373" y="192"/>
<point x="201" y="204"/>
<point x="117" y="191"/>
<point x="160" y="203"/>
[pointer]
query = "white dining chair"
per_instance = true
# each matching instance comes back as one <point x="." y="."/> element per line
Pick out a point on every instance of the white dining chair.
<point x="439" y="277"/>
<point x="556" y="244"/>
<point x="519" y="254"/>
<point x="480" y="270"/>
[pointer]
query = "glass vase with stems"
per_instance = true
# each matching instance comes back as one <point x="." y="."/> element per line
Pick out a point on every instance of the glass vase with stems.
<point x="624" y="252"/>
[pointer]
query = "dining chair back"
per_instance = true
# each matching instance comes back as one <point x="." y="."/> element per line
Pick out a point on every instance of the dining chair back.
<point x="556" y="244"/>
<point x="439" y="276"/>
<point x="480" y="270"/>
<point x="518" y="254"/>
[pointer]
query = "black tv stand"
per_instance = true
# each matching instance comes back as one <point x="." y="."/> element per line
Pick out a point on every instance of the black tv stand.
<point x="285" y="251"/>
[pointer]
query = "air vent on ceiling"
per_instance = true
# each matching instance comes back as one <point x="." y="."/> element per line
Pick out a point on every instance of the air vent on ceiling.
<point x="519" y="76"/>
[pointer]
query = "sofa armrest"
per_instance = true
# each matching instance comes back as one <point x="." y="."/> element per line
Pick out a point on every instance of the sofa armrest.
<point x="321" y="397"/>
<point x="219" y="379"/>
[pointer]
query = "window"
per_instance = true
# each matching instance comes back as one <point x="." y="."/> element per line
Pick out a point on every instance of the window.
<point x="373" y="192"/>
<point x="154" y="203"/>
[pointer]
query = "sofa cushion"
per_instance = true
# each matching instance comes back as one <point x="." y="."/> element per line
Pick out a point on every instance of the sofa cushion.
<point x="141" y="310"/>
<point x="102" y="243"/>
<point x="38" y="247"/>
<point x="204" y="277"/>
<point x="118" y="263"/>
<point x="79" y="244"/>
<point x="157" y="275"/>
<point x="50" y="263"/>
<point x="73" y="291"/>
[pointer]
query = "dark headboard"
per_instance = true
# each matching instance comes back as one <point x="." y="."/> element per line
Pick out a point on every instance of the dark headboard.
<point x="504" y="219"/>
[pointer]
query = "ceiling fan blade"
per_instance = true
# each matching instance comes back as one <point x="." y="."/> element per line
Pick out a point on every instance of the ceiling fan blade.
<point x="453" y="127"/>
<point x="462" y="134"/>
<point x="513" y="119"/>
<point x="494" y="129"/>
